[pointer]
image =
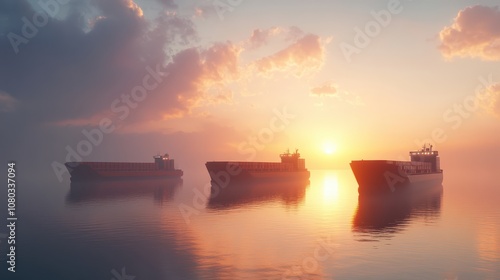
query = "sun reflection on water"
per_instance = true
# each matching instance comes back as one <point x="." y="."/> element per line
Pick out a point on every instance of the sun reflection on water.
<point x="330" y="188"/>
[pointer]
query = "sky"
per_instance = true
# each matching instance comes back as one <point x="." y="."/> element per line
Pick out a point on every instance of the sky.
<point x="120" y="80"/>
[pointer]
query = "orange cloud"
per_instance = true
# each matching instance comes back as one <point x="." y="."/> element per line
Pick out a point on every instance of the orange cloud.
<point x="475" y="32"/>
<point x="324" y="90"/>
<point x="261" y="37"/>
<point x="134" y="7"/>
<point x="220" y="62"/>
<point x="206" y="83"/>
<point x="329" y="89"/>
<point x="197" y="77"/>
<point x="306" y="54"/>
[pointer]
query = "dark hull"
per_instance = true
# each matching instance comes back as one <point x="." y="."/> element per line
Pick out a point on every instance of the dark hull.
<point x="224" y="173"/>
<point x="84" y="173"/>
<point x="380" y="176"/>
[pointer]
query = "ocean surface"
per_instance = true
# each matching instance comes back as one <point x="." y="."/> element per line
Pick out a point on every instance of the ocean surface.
<point x="319" y="230"/>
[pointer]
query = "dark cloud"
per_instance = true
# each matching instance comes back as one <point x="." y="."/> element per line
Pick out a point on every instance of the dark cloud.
<point x="69" y="69"/>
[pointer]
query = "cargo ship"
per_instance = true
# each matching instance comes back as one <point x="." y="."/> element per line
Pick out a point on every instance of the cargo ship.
<point x="383" y="176"/>
<point x="162" y="167"/>
<point x="291" y="168"/>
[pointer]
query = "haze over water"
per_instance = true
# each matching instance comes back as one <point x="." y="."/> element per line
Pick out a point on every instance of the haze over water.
<point x="315" y="231"/>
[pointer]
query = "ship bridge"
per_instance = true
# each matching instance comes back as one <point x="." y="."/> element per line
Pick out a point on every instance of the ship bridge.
<point x="294" y="159"/>
<point x="426" y="154"/>
<point x="164" y="162"/>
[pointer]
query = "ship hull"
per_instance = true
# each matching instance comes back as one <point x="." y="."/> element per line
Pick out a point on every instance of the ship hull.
<point x="81" y="172"/>
<point x="380" y="176"/>
<point x="225" y="173"/>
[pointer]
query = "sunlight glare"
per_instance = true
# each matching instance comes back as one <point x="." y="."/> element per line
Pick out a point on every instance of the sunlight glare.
<point x="330" y="187"/>
<point x="329" y="148"/>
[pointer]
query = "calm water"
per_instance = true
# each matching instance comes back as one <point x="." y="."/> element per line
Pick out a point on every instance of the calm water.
<point x="158" y="230"/>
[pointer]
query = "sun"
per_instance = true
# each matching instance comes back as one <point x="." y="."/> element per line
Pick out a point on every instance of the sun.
<point x="329" y="148"/>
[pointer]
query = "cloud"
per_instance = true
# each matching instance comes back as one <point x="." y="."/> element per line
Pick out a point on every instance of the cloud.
<point x="261" y="37"/>
<point x="70" y="73"/>
<point x="490" y="100"/>
<point x="196" y="77"/>
<point x="221" y="95"/>
<point x="194" y="72"/>
<point x="221" y="61"/>
<point x="7" y="102"/>
<point x="324" y="90"/>
<point x="72" y="70"/>
<point x="119" y="7"/>
<point x="204" y="10"/>
<point x="95" y="53"/>
<point x="304" y="55"/>
<point x="331" y="90"/>
<point x="475" y="32"/>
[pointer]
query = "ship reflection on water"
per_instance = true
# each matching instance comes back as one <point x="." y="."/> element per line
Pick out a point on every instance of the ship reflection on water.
<point x="247" y="193"/>
<point x="159" y="189"/>
<point x="383" y="216"/>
